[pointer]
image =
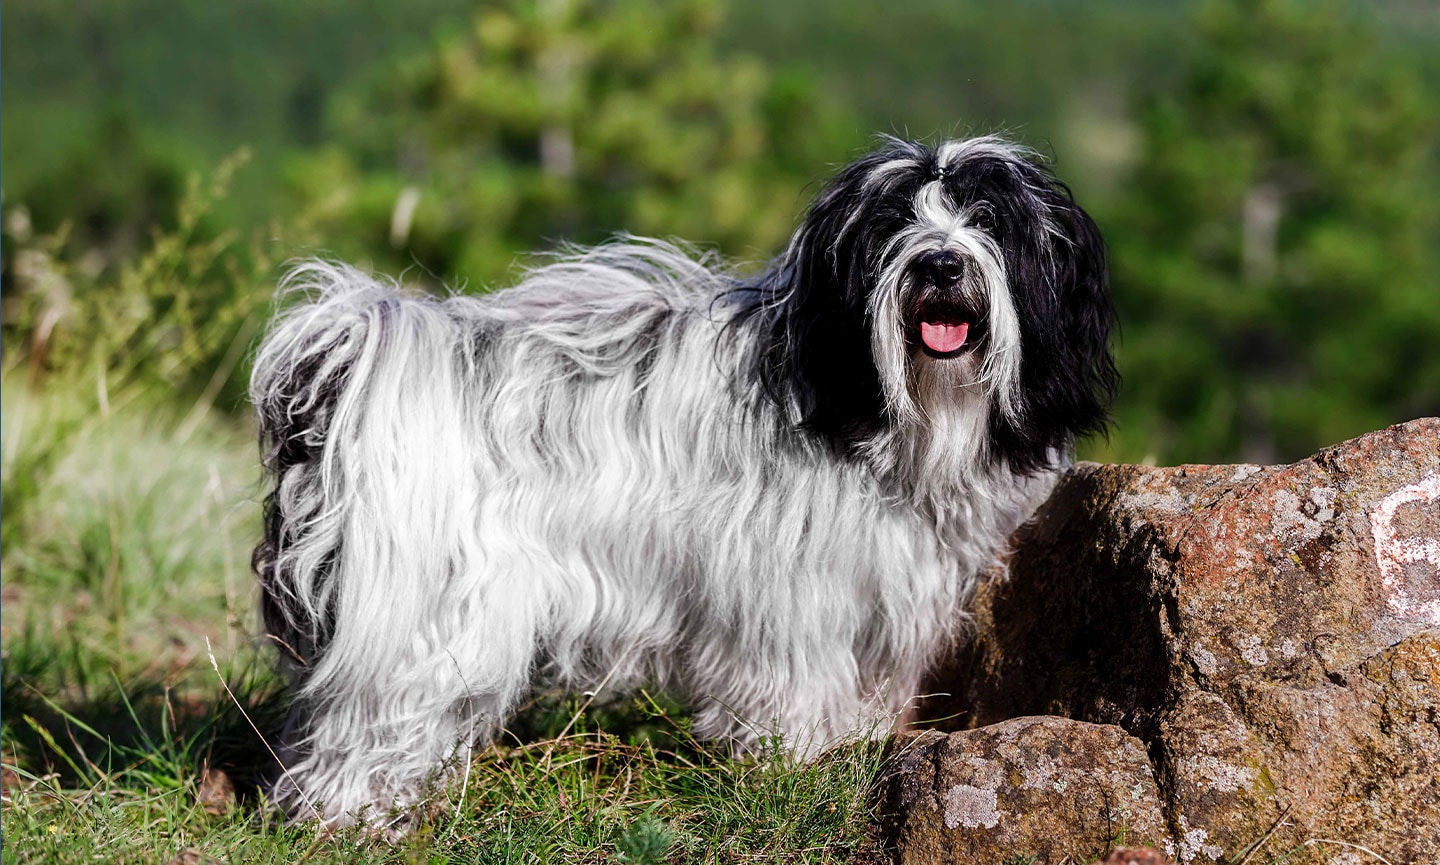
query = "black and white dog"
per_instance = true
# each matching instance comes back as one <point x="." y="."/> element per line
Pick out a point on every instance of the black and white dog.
<point x="772" y="494"/>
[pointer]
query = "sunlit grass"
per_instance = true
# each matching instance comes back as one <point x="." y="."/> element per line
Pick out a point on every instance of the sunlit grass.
<point x="126" y="534"/>
<point x="645" y="794"/>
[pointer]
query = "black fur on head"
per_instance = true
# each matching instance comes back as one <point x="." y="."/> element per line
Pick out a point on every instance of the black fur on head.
<point x="856" y="271"/>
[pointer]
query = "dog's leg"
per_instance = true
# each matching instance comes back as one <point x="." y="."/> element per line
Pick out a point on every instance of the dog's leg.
<point x="363" y="752"/>
<point x="802" y="696"/>
<point x="784" y="705"/>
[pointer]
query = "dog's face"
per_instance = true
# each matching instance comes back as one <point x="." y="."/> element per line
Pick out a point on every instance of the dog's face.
<point x="956" y="281"/>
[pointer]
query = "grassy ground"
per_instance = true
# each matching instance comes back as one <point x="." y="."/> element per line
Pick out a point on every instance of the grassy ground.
<point x="128" y="614"/>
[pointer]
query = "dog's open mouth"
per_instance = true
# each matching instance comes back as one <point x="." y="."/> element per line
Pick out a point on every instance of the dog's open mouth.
<point x="940" y="312"/>
<point x="947" y="329"/>
<point x="944" y="337"/>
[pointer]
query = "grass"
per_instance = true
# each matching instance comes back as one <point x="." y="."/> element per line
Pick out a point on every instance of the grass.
<point x="590" y="796"/>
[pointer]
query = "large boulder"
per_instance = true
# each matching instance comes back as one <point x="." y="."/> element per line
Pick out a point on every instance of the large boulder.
<point x="1271" y="634"/>
<point x="1045" y="787"/>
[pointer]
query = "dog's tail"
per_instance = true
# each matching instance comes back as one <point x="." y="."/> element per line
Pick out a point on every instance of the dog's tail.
<point x="355" y="390"/>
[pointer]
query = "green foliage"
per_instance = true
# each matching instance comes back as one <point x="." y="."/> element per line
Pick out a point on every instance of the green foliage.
<point x="106" y="199"/>
<point x="569" y="120"/>
<point x="110" y="104"/>
<point x="1320" y="112"/>
<point x="645" y="842"/>
<point x="129" y="517"/>
<point x="165" y="325"/>
<point x="1053" y="73"/>
<point x="1275" y="267"/>
<point x="128" y="514"/>
<point x="126" y="536"/>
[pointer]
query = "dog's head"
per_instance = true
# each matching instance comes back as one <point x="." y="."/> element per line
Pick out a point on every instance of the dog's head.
<point x="935" y="287"/>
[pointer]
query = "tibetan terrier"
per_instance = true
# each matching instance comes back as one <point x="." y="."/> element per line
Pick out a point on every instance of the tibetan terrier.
<point x="770" y="494"/>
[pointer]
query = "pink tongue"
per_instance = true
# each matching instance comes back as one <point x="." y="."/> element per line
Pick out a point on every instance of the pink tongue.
<point x="943" y="336"/>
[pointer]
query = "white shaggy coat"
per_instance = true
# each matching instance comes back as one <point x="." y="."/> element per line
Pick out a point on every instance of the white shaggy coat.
<point x="582" y="480"/>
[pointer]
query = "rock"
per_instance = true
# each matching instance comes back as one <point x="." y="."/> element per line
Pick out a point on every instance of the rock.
<point x="1272" y="634"/>
<point x="215" y="791"/>
<point x="1043" y="787"/>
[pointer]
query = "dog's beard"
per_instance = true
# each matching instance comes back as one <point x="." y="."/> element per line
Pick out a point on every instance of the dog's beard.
<point x="918" y="384"/>
<point x="941" y="389"/>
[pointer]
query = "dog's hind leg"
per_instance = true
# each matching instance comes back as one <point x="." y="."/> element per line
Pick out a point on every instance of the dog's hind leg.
<point x="371" y="568"/>
<point x="407" y="686"/>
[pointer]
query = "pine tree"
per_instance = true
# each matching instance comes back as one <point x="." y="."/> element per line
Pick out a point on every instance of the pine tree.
<point x="571" y="120"/>
<point x="1276" y="266"/>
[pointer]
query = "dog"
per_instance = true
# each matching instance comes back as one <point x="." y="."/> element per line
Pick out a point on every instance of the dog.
<point x="772" y="494"/>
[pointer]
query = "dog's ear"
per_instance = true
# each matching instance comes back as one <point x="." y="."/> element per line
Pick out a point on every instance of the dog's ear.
<point x="1060" y="285"/>
<point x="820" y="358"/>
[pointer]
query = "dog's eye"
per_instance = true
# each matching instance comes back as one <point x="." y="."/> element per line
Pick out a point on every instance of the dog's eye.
<point x="981" y="217"/>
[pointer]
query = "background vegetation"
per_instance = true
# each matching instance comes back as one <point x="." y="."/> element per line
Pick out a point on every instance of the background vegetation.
<point x="1264" y="170"/>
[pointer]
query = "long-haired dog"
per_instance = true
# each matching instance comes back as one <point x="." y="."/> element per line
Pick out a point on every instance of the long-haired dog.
<point x="771" y="494"/>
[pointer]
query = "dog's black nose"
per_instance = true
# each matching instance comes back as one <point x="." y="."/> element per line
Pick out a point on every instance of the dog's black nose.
<point x="942" y="268"/>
